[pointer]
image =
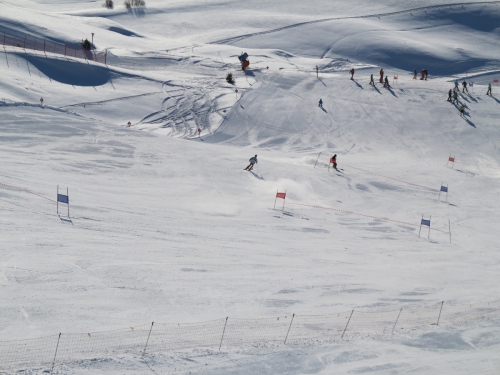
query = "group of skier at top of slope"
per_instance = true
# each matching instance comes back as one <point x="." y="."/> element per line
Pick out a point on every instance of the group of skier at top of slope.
<point x="383" y="80"/>
<point x="453" y="95"/>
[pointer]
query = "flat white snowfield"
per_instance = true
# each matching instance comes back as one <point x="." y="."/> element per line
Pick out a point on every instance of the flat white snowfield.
<point x="166" y="226"/>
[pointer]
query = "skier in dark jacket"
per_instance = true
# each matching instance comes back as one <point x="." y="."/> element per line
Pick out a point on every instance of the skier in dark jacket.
<point x="333" y="160"/>
<point x="386" y="82"/>
<point x="450" y="95"/>
<point x="372" y="82"/>
<point x="464" y="85"/>
<point x="320" y="104"/>
<point x="489" y="90"/>
<point x="253" y="161"/>
<point x="352" y="73"/>
<point x="415" y="74"/>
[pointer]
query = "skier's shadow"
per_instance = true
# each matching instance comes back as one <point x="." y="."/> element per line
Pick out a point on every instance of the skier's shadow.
<point x="472" y="98"/>
<point x="495" y="99"/>
<point x="376" y="88"/>
<point x="324" y="110"/>
<point x="256" y="175"/>
<point x="390" y="90"/>
<point x="357" y="84"/>
<point x="469" y="121"/>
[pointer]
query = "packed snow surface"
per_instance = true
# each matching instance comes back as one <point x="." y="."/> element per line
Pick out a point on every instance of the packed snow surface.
<point x="165" y="225"/>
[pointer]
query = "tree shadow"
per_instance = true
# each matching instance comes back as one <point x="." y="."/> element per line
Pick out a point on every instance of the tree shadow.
<point x="139" y="12"/>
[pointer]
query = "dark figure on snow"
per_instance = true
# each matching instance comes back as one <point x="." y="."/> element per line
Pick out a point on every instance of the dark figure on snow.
<point x="386" y="82"/>
<point x="415" y="74"/>
<point x="450" y="95"/>
<point x="86" y="45"/>
<point x="462" y="111"/>
<point x="489" y="90"/>
<point x="320" y="104"/>
<point x="372" y="82"/>
<point x="253" y="161"/>
<point x="352" y="73"/>
<point x="422" y="75"/>
<point x="333" y="160"/>
<point x="464" y="85"/>
<point x="426" y="72"/>
<point x="455" y="97"/>
<point x="381" y="75"/>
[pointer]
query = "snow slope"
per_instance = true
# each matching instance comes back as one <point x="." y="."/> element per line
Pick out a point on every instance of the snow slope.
<point x="166" y="226"/>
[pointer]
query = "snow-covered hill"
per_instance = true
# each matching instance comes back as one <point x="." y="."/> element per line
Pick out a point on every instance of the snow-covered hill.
<point x="166" y="226"/>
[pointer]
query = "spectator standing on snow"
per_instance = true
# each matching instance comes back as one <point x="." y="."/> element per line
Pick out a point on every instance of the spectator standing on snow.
<point x="462" y="111"/>
<point x="456" y="86"/>
<point x="372" y="82"/>
<point x="455" y="97"/>
<point x="422" y="75"/>
<point x="489" y="90"/>
<point x="450" y="95"/>
<point x="426" y="72"/>
<point x="320" y="104"/>
<point x="464" y="87"/>
<point x="381" y="75"/>
<point x="352" y="73"/>
<point x="386" y="82"/>
<point x="415" y="74"/>
<point x="41" y="101"/>
<point x="253" y="161"/>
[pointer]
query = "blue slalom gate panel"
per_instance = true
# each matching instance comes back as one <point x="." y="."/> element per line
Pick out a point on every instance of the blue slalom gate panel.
<point x="426" y="222"/>
<point x="63" y="198"/>
<point x="444" y="188"/>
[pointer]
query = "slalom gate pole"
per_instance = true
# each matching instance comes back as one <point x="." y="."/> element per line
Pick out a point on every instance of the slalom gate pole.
<point x="55" y="354"/>
<point x="396" y="320"/>
<point x="57" y="200"/>
<point x="149" y="334"/>
<point x="449" y="229"/>
<point x="275" y="199"/>
<point x="429" y="234"/>
<point x="350" y="316"/>
<point x="290" y="326"/>
<point x="67" y="195"/>
<point x="317" y="160"/>
<point x="223" y="331"/>
<point x="420" y="230"/>
<point x="439" y="196"/>
<point x="284" y="199"/>
<point x="441" y="309"/>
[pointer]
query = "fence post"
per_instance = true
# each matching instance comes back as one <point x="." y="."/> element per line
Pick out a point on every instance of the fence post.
<point x="225" y="323"/>
<point x="396" y="320"/>
<point x="441" y="309"/>
<point x="55" y="354"/>
<point x="352" y="312"/>
<point x="149" y="334"/>
<point x="293" y="316"/>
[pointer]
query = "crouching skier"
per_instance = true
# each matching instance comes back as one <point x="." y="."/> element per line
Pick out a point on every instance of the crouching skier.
<point x="253" y="161"/>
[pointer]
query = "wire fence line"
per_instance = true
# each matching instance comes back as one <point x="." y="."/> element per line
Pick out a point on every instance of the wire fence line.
<point x="51" y="351"/>
<point x="67" y="49"/>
